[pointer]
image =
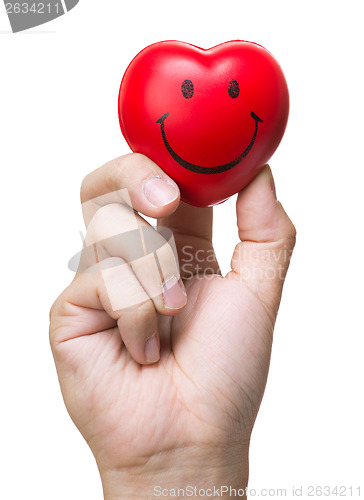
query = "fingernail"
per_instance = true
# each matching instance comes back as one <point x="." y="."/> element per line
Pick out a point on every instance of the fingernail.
<point x="152" y="349"/>
<point x="174" y="293"/>
<point x="159" y="192"/>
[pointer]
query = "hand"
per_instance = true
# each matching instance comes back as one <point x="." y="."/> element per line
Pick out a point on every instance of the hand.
<point x="186" y="419"/>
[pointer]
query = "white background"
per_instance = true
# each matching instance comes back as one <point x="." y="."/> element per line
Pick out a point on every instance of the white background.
<point x="58" y="121"/>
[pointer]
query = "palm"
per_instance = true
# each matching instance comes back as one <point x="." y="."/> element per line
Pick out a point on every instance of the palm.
<point x="209" y="381"/>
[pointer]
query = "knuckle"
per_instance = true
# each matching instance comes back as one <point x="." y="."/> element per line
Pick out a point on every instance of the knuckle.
<point x="106" y="212"/>
<point x="112" y="175"/>
<point x="167" y="258"/>
<point x="56" y="312"/>
<point x="291" y="230"/>
<point x="144" y="308"/>
<point x="288" y="229"/>
<point x="53" y="309"/>
<point x="109" y="221"/>
<point x="144" y="316"/>
<point x="137" y="162"/>
<point x="84" y="188"/>
<point x="122" y="164"/>
<point x="291" y="233"/>
<point x="112" y="262"/>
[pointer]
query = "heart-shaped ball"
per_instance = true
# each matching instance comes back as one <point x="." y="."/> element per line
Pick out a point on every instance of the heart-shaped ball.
<point x="210" y="118"/>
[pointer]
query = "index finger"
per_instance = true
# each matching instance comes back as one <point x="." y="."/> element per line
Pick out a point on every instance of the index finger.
<point x="133" y="179"/>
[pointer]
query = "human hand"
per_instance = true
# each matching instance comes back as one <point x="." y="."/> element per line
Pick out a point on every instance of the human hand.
<point x="186" y="419"/>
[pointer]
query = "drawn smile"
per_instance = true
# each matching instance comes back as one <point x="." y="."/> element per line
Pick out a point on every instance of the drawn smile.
<point x="208" y="170"/>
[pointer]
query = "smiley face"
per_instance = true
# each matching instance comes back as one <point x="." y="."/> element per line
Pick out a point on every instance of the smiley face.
<point x="208" y="170"/>
<point x="187" y="89"/>
<point x="210" y="119"/>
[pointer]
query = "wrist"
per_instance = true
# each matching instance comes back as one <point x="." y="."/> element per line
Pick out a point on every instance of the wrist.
<point x="162" y="475"/>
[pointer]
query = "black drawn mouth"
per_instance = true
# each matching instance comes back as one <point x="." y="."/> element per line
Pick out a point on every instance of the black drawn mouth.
<point x="208" y="170"/>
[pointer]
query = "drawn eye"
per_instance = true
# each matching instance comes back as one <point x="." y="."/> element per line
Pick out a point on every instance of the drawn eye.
<point x="187" y="89"/>
<point x="233" y="89"/>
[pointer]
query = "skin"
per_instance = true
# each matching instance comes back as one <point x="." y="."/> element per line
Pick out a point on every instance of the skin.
<point x="187" y="418"/>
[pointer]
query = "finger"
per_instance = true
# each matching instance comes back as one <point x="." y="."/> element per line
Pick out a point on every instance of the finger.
<point x="134" y="180"/>
<point x="117" y="231"/>
<point x="190" y="221"/>
<point x="267" y="237"/>
<point x="192" y="230"/>
<point x="108" y="295"/>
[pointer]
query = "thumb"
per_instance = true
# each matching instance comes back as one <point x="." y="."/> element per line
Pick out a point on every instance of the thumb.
<point x="267" y="237"/>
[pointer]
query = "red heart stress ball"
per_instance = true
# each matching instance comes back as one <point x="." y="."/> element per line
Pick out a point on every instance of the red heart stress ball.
<point x="210" y="118"/>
